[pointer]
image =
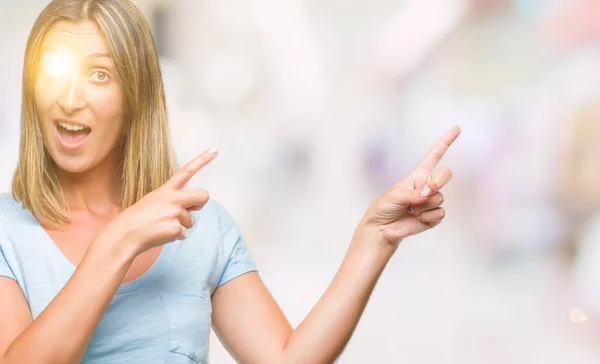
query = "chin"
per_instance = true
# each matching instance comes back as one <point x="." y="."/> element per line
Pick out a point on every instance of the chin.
<point x="72" y="163"/>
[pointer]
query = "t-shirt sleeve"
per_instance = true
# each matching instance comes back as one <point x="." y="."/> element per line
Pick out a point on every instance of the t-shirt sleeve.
<point x="237" y="256"/>
<point x="5" y="270"/>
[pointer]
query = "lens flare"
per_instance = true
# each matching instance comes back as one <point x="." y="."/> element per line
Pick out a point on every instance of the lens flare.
<point x="57" y="65"/>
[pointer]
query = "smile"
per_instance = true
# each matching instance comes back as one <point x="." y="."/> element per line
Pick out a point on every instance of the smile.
<point x="71" y="135"/>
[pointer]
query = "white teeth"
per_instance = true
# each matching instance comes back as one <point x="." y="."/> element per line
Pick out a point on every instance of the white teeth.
<point x="72" y="127"/>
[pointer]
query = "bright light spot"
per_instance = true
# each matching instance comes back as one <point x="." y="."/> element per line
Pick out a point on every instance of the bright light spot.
<point x="57" y="65"/>
<point x="577" y="316"/>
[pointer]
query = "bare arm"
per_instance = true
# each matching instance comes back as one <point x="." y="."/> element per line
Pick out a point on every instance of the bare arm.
<point x="324" y="333"/>
<point x="410" y="207"/>
<point x="73" y="313"/>
<point x="65" y="327"/>
<point x="321" y="336"/>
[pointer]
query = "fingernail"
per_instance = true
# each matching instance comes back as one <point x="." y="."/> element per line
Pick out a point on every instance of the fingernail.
<point x="185" y="233"/>
<point x="213" y="151"/>
<point x="426" y="191"/>
<point x="193" y="220"/>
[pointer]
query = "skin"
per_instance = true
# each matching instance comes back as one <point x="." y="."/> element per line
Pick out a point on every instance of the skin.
<point x="111" y="246"/>
<point x="88" y="92"/>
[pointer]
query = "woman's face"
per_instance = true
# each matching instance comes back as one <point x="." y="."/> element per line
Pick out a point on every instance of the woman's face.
<point x="78" y="98"/>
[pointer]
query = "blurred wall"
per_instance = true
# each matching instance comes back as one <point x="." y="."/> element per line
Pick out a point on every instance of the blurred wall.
<point x="317" y="107"/>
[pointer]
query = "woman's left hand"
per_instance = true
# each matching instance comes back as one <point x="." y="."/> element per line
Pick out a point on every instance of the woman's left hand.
<point x="413" y="204"/>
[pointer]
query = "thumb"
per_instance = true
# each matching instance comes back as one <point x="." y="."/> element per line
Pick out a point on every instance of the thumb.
<point x="404" y="197"/>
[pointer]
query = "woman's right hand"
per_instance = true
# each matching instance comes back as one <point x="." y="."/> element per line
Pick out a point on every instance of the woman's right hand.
<point x="163" y="215"/>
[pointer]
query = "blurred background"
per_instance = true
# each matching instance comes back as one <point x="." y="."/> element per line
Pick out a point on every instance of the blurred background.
<point x="318" y="107"/>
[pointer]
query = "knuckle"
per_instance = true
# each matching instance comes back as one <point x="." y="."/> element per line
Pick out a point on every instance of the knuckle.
<point x="174" y="211"/>
<point x="170" y="197"/>
<point x="436" y="154"/>
<point x="440" y="199"/>
<point x="396" y="193"/>
<point x="161" y="196"/>
<point x="175" y="229"/>
<point x="186" y="216"/>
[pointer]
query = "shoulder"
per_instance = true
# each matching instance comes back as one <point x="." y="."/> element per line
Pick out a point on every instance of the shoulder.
<point x="13" y="218"/>
<point x="215" y="216"/>
<point x="6" y="202"/>
<point x="214" y="232"/>
<point x="11" y="210"/>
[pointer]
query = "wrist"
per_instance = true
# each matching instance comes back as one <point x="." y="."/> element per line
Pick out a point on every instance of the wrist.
<point x="369" y="237"/>
<point x="125" y="250"/>
<point x="117" y="248"/>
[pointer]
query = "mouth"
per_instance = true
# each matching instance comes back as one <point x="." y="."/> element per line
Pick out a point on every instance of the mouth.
<point x="71" y="134"/>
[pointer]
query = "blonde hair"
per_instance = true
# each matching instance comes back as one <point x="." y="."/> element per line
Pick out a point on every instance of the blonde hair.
<point x="147" y="157"/>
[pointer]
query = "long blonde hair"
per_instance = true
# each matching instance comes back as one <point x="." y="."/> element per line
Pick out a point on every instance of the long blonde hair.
<point x="147" y="157"/>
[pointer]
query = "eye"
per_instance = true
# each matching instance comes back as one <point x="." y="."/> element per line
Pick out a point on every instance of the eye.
<point x="100" y="76"/>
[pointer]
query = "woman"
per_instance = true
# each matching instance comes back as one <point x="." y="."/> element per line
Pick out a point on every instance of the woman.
<point x="107" y="259"/>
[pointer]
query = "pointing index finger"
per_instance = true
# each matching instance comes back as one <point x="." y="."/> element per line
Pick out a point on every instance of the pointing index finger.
<point x="436" y="152"/>
<point x="185" y="173"/>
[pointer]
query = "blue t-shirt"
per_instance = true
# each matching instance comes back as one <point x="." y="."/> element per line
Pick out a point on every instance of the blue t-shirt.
<point x="164" y="316"/>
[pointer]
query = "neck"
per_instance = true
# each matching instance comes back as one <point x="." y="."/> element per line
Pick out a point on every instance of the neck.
<point x="97" y="190"/>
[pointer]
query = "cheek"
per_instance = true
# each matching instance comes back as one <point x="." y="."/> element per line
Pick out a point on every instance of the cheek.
<point x="108" y="109"/>
<point x="43" y="100"/>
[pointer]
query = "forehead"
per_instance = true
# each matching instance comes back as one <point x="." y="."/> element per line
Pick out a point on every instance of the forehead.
<point x="82" y="38"/>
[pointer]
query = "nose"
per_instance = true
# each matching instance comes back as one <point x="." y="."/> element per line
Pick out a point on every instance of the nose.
<point x="71" y="100"/>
